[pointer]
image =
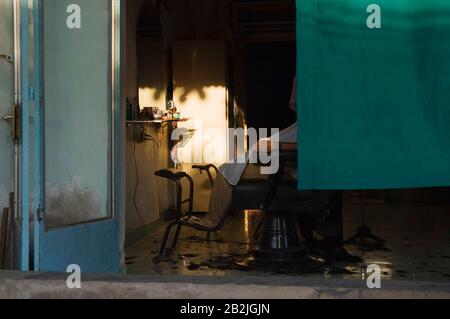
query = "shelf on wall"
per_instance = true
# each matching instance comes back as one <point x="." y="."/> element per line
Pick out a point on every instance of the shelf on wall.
<point x="157" y="121"/>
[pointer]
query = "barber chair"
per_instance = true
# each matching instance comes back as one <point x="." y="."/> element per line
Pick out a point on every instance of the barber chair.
<point x="277" y="242"/>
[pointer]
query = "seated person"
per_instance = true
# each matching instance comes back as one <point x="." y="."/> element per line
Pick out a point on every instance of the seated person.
<point x="231" y="173"/>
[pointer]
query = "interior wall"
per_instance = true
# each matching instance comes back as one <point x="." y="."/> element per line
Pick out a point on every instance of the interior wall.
<point x="152" y="79"/>
<point x="200" y="94"/>
<point x="146" y="196"/>
<point x="132" y="14"/>
<point x="184" y="20"/>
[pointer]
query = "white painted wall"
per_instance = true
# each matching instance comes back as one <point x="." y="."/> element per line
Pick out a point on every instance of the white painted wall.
<point x="200" y="93"/>
<point x="144" y="69"/>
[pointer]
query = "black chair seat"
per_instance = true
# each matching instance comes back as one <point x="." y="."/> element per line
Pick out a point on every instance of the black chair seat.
<point x="171" y="173"/>
<point x="250" y="193"/>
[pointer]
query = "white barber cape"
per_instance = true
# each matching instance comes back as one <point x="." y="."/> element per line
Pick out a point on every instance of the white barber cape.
<point x="233" y="171"/>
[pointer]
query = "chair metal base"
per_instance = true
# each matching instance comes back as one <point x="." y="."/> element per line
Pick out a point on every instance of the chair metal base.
<point x="280" y="246"/>
<point x="362" y="234"/>
<point x="299" y="265"/>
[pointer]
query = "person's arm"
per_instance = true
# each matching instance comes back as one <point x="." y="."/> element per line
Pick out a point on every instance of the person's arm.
<point x="288" y="146"/>
<point x="287" y="137"/>
<point x="283" y="146"/>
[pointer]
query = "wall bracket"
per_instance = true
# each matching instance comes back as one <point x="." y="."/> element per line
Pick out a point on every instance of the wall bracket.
<point x="7" y="58"/>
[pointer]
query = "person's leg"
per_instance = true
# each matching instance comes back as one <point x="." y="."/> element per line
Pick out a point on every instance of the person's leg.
<point x="334" y="238"/>
<point x="219" y="202"/>
<point x="336" y="207"/>
<point x="306" y="224"/>
<point x="222" y="195"/>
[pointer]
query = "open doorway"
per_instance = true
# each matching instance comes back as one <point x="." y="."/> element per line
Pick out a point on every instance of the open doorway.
<point x="271" y="68"/>
<point x="231" y="64"/>
<point x="177" y="77"/>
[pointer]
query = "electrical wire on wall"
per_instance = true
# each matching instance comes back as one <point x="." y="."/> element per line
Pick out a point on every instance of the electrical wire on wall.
<point x="136" y="186"/>
<point x="157" y="143"/>
<point x="157" y="146"/>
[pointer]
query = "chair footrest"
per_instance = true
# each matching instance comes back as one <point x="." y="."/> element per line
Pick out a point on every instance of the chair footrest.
<point x="199" y="213"/>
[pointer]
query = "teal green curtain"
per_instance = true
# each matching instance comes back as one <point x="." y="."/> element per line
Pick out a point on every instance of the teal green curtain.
<point x="374" y="104"/>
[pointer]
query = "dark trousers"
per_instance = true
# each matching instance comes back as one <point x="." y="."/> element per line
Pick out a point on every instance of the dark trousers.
<point x="334" y="219"/>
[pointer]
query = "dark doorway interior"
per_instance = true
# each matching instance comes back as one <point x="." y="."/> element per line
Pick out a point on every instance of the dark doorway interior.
<point x="271" y="67"/>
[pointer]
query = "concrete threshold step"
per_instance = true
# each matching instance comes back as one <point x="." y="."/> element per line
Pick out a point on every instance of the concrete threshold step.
<point x="53" y="285"/>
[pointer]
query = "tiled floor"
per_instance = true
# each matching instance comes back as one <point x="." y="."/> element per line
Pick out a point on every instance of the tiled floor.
<point x="417" y="236"/>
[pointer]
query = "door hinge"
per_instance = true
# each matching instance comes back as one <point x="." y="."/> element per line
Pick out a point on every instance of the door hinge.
<point x="15" y="130"/>
<point x="31" y="93"/>
<point x="39" y="215"/>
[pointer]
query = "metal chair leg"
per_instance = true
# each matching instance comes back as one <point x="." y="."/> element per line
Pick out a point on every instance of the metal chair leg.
<point x="191" y="195"/>
<point x="165" y="238"/>
<point x="177" y="234"/>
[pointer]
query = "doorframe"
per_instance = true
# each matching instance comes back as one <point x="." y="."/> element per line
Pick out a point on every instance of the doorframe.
<point x="119" y="127"/>
<point x="21" y="203"/>
<point x="38" y="133"/>
<point x="116" y="99"/>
